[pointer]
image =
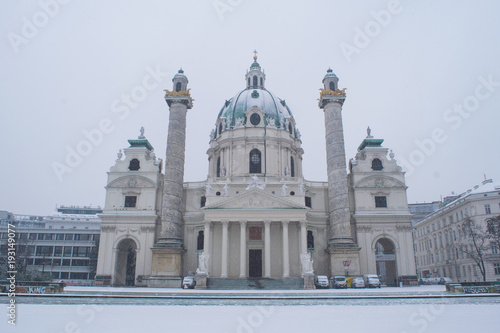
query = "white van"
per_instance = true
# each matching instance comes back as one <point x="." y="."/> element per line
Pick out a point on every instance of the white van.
<point x="371" y="281"/>
<point x="321" y="281"/>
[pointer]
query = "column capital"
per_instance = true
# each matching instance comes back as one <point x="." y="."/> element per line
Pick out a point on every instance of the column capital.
<point x="267" y="222"/>
<point x="285" y="222"/>
<point x="303" y="222"/>
<point x="224" y="222"/>
<point x="243" y="222"/>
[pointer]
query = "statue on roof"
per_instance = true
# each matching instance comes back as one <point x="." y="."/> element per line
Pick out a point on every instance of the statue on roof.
<point x="369" y="132"/>
<point x="142" y="133"/>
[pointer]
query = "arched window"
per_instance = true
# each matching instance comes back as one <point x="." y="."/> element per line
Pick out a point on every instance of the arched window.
<point x="377" y="164"/>
<point x="134" y="165"/>
<point x="178" y="86"/>
<point x="249" y="81"/>
<point x="290" y="128"/>
<point x="200" y="241"/>
<point x="255" y="161"/>
<point x="220" y="128"/>
<point x="292" y="167"/>
<point x="332" y="86"/>
<point x="255" y="81"/>
<point x="310" y="240"/>
<point x="218" y="166"/>
<point x="261" y="82"/>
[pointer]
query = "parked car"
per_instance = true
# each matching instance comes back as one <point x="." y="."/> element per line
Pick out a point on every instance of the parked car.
<point x="339" y="282"/>
<point x="371" y="281"/>
<point x="188" y="282"/>
<point x="358" y="282"/>
<point x="321" y="281"/>
<point x="445" y="280"/>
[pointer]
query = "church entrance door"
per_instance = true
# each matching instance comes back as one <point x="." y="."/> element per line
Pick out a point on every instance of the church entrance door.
<point x="255" y="263"/>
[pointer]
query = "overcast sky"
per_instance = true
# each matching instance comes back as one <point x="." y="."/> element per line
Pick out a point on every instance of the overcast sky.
<point x="424" y="75"/>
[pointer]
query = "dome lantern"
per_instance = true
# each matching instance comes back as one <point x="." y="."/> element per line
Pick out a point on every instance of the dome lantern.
<point x="255" y="78"/>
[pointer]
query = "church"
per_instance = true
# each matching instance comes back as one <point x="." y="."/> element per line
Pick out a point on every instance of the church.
<point x="255" y="218"/>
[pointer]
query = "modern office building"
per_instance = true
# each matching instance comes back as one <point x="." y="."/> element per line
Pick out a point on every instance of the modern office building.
<point x="64" y="244"/>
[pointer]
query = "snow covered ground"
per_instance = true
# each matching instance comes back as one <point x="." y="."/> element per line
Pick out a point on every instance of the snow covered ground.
<point x="244" y="319"/>
<point x="375" y="316"/>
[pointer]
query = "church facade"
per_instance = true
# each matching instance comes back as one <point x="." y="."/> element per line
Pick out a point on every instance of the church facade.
<point x="255" y="216"/>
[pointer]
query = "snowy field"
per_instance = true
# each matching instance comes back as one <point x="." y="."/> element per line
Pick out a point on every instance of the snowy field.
<point x="430" y="316"/>
<point x="213" y="319"/>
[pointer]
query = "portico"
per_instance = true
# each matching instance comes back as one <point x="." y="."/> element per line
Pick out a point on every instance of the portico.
<point x="261" y="243"/>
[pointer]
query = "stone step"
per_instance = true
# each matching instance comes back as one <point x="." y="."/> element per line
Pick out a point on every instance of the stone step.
<point x="255" y="283"/>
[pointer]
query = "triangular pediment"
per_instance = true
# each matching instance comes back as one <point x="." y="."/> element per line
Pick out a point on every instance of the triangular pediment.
<point x="255" y="199"/>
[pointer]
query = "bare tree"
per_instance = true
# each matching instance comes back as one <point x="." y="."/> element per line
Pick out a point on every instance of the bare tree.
<point x="493" y="229"/>
<point x="474" y="244"/>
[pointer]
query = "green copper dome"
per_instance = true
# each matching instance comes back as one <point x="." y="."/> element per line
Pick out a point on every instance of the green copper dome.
<point x="275" y="109"/>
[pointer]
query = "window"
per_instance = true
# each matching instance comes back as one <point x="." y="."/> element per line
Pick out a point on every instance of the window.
<point x="200" y="243"/>
<point x="220" y="128"/>
<point x="497" y="268"/>
<point x="292" y="167"/>
<point x="255" y="119"/>
<point x="134" y="165"/>
<point x="59" y="236"/>
<point x="44" y="250"/>
<point x="56" y="262"/>
<point x="130" y="201"/>
<point x="80" y="251"/>
<point x="83" y="237"/>
<point x="308" y="202"/>
<point x="96" y="238"/>
<point x="381" y="202"/>
<point x="68" y="237"/>
<point x="377" y="164"/>
<point x="255" y="82"/>
<point x="290" y="128"/>
<point x="66" y="262"/>
<point x="58" y="251"/>
<point x="67" y="251"/>
<point x="332" y="86"/>
<point x="178" y="86"/>
<point x="249" y="82"/>
<point x="203" y="201"/>
<point x="451" y="219"/>
<point x="79" y="262"/>
<point x="255" y="161"/>
<point x="79" y="276"/>
<point x="261" y="82"/>
<point x="255" y="233"/>
<point x="310" y="240"/>
<point x="487" y="209"/>
<point x="494" y="248"/>
<point x="218" y="167"/>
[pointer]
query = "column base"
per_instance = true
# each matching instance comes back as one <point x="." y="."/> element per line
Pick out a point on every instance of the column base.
<point x="309" y="281"/>
<point x="163" y="282"/>
<point x="201" y="280"/>
<point x="344" y="251"/>
<point x="166" y="263"/>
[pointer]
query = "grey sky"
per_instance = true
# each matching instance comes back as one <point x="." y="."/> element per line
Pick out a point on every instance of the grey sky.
<point x="71" y="73"/>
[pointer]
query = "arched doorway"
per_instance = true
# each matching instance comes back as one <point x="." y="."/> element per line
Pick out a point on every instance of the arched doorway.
<point x="125" y="263"/>
<point x="386" y="261"/>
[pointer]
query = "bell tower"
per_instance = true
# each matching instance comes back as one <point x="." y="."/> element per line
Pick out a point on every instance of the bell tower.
<point x="169" y="248"/>
<point x="341" y="245"/>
